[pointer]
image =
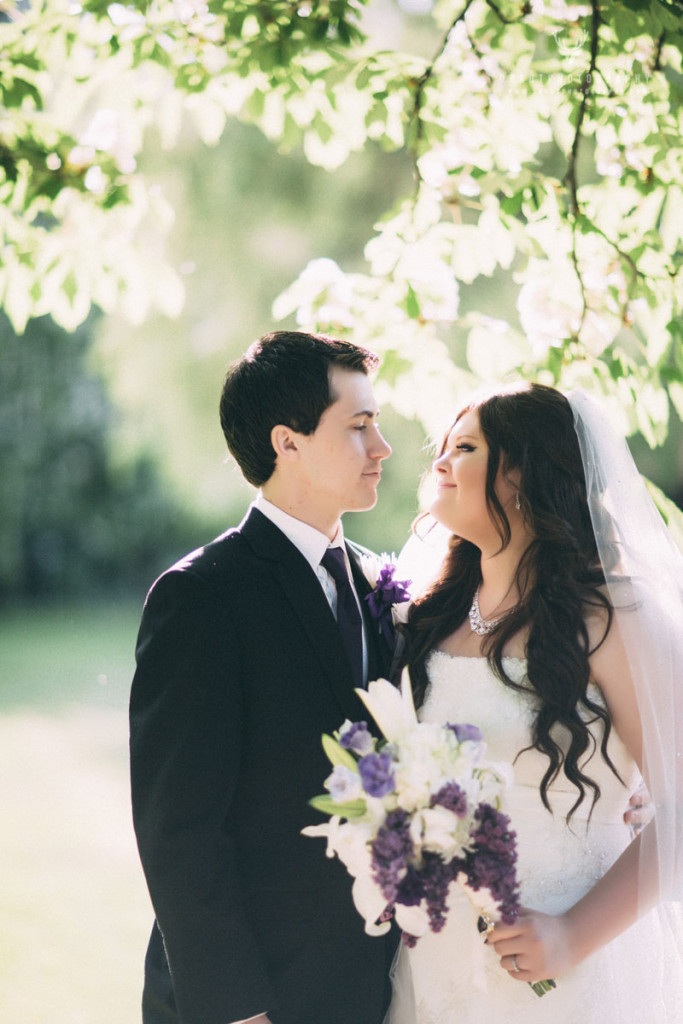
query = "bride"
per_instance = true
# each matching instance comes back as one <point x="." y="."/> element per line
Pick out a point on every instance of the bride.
<point x="556" y="626"/>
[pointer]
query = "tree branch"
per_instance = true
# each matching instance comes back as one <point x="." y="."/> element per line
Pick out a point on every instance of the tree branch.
<point x="579" y="277"/>
<point x="625" y="256"/>
<point x="424" y="78"/>
<point x="570" y="177"/>
<point x="526" y="9"/>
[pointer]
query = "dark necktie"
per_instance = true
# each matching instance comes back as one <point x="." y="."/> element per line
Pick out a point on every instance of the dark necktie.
<point x="348" y="616"/>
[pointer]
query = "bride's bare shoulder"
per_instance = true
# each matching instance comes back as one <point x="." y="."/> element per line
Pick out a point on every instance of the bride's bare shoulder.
<point x="611" y="671"/>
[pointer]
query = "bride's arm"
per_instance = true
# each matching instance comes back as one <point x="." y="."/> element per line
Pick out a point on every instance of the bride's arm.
<point x="546" y="946"/>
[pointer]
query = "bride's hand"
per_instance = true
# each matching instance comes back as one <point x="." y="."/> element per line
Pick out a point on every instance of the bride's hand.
<point x="536" y="947"/>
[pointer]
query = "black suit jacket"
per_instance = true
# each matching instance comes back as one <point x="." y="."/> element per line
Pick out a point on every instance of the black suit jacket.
<point x="240" y="669"/>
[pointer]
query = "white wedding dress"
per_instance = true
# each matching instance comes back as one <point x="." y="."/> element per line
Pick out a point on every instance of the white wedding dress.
<point x="452" y="977"/>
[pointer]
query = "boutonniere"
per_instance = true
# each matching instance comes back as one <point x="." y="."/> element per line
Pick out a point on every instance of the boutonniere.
<point x="387" y="592"/>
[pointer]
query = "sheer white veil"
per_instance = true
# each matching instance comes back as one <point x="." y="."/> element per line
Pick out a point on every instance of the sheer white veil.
<point x="644" y="569"/>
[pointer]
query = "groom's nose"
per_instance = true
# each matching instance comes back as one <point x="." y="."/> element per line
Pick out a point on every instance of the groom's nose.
<point x="381" y="449"/>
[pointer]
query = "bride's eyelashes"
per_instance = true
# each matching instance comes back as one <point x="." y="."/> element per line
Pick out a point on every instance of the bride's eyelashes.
<point x="463" y="447"/>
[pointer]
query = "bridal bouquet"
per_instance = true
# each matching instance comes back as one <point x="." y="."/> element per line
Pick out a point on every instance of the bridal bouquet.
<point x="412" y="812"/>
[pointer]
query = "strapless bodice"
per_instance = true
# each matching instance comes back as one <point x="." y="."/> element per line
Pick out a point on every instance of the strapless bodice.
<point x="464" y="689"/>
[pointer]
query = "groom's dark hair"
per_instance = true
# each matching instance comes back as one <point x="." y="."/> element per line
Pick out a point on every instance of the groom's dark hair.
<point x="283" y="378"/>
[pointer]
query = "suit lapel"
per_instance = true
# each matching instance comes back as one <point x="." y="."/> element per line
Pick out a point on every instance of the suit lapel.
<point x="302" y="590"/>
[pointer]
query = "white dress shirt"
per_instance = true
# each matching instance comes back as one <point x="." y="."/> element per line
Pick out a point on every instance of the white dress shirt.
<point x="313" y="544"/>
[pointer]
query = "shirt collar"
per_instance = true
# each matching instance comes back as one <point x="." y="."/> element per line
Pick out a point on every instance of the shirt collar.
<point x="310" y="542"/>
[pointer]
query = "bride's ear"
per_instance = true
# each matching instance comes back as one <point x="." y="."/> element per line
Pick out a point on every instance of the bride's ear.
<point x="508" y="483"/>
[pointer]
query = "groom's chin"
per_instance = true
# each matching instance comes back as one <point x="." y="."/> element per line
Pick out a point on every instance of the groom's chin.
<point x="366" y="503"/>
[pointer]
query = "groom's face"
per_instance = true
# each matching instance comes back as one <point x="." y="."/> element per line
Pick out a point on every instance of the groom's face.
<point x="341" y="460"/>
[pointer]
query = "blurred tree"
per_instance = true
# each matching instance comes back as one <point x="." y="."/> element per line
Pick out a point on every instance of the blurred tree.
<point x="75" y="519"/>
<point x="542" y="235"/>
<point x="546" y="138"/>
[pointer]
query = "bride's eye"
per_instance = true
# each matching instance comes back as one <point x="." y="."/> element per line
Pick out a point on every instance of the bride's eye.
<point x="465" y="447"/>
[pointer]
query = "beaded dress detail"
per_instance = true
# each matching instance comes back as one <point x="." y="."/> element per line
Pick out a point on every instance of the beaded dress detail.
<point x="451" y="977"/>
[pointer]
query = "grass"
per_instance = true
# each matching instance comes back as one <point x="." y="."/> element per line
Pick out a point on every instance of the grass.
<point x="74" y="910"/>
<point x="52" y="657"/>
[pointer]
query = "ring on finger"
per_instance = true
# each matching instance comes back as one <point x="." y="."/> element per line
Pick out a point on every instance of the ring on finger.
<point x="515" y="966"/>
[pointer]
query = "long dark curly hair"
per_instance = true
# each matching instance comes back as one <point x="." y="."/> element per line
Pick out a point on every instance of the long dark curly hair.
<point x="530" y="428"/>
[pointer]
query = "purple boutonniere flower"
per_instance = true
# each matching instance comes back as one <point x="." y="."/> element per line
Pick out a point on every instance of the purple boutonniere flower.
<point x="386" y="594"/>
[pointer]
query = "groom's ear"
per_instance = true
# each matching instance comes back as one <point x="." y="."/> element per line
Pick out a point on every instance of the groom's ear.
<point x="286" y="442"/>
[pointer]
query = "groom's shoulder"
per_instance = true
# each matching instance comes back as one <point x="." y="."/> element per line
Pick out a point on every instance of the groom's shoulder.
<point x="216" y="562"/>
<point x="214" y="556"/>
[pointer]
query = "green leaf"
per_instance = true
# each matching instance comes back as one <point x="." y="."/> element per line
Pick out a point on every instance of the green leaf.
<point x="325" y="803"/>
<point x="670" y="512"/>
<point x="511" y="204"/>
<point x="70" y="286"/>
<point x="411" y="305"/>
<point x="321" y="29"/>
<point x="116" y="194"/>
<point x="337" y="755"/>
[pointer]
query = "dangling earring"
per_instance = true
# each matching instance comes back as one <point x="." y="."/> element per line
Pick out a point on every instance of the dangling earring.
<point x="518" y="503"/>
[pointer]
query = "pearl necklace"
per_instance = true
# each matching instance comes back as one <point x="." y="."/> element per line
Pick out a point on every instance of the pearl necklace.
<point x="478" y="624"/>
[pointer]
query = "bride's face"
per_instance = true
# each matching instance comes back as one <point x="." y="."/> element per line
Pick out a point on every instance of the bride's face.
<point x="460" y="504"/>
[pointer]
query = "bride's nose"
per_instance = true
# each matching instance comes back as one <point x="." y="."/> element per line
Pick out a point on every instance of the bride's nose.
<point x="439" y="464"/>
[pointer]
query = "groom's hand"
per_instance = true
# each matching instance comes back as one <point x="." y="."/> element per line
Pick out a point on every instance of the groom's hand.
<point x="640" y="810"/>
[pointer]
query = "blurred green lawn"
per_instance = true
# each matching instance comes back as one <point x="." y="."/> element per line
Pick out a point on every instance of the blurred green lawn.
<point x="74" y="910"/>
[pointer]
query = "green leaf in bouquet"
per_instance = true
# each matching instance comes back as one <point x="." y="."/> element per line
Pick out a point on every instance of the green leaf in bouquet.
<point x="325" y="803"/>
<point x="337" y="755"/>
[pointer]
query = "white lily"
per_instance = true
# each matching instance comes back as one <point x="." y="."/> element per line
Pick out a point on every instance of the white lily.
<point x="413" y="920"/>
<point x="370" y="903"/>
<point x="391" y="708"/>
<point x="322" y="832"/>
<point x="481" y="899"/>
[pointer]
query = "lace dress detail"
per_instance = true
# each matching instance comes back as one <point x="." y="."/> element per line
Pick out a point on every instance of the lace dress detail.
<point x="451" y="977"/>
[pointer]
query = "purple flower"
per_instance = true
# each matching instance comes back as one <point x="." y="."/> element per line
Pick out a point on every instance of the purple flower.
<point x="376" y="774"/>
<point x="387" y="592"/>
<point x="465" y="732"/>
<point x="437" y="877"/>
<point x="343" y="784"/>
<point x="492" y="862"/>
<point x="410" y="889"/>
<point x="452" y="797"/>
<point x="391" y="849"/>
<point x="355" y="737"/>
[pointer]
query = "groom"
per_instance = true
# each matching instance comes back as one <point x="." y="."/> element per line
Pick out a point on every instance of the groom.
<point x="249" y="650"/>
